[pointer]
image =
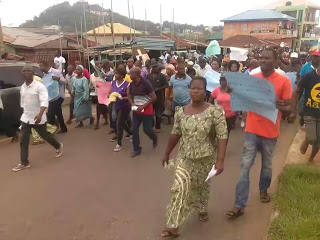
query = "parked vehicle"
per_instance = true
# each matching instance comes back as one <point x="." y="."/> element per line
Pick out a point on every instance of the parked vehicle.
<point x="10" y="83"/>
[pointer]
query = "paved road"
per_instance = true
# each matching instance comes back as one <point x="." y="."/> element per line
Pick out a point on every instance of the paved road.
<point x="92" y="193"/>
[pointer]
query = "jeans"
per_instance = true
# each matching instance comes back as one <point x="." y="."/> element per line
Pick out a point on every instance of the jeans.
<point x="123" y="123"/>
<point x="254" y="143"/>
<point x="158" y="107"/>
<point x="54" y="110"/>
<point x="112" y="119"/>
<point x="147" y="121"/>
<point x="25" y="138"/>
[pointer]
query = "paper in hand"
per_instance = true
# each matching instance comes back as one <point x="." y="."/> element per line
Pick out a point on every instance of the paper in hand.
<point x="212" y="173"/>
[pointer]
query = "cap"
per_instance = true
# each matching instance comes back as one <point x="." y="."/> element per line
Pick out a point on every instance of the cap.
<point x="172" y="61"/>
<point x="190" y="63"/>
<point x="316" y="53"/>
<point x="294" y="55"/>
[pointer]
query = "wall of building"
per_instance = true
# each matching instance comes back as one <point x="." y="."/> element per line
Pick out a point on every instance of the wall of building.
<point x="259" y="29"/>
<point x="108" y="39"/>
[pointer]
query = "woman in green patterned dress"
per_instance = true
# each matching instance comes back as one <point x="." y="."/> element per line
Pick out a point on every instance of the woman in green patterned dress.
<point x="202" y="131"/>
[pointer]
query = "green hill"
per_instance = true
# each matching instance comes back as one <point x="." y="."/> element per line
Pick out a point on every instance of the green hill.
<point x="69" y="14"/>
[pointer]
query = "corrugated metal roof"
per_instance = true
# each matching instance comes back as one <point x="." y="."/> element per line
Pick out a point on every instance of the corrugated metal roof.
<point x="118" y="29"/>
<point x="216" y="36"/>
<point x="258" y="15"/>
<point x="154" y="43"/>
<point x="33" y="41"/>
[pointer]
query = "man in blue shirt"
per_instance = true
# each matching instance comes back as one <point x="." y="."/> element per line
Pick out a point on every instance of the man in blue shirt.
<point x="180" y="83"/>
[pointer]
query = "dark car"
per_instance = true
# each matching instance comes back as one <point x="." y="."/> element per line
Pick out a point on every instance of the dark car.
<point x="10" y="83"/>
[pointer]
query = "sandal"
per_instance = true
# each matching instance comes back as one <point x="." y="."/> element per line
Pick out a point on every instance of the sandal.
<point x="264" y="197"/>
<point x="235" y="214"/>
<point x="203" y="217"/>
<point x="169" y="234"/>
<point x="111" y="132"/>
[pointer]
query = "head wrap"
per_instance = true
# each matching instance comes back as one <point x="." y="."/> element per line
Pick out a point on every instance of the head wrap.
<point x="80" y="66"/>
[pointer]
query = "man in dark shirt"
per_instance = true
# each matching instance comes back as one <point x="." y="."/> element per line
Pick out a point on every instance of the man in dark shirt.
<point x="159" y="83"/>
<point x="141" y="97"/>
<point x="310" y="84"/>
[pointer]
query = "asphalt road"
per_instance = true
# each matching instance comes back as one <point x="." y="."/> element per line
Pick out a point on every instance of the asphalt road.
<point x="93" y="193"/>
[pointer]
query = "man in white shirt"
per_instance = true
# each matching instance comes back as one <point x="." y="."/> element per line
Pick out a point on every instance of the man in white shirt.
<point x="204" y="67"/>
<point x="56" y="96"/>
<point x="60" y="62"/>
<point x="34" y="101"/>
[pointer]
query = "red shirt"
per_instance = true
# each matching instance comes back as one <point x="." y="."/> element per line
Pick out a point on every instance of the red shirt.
<point x="223" y="99"/>
<point x="260" y="125"/>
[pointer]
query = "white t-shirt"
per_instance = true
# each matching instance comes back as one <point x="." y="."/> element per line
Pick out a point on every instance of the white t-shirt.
<point x="58" y="61"/>
<point x="93" y="80"/>
<point x="258" y="70"/>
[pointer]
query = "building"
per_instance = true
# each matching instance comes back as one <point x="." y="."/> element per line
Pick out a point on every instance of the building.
<point x="218" y="36"/>
<point x="307" y="15"/>
<point x="36" y="47"/>
<point x="103" y="34"/>
<point x="267" y="24"/>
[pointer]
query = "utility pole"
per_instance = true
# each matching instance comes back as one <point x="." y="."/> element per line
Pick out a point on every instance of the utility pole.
<point x="129" y="19"/>
<point x="172" y="33"/>
<point x="2" y="49"/>
<point x="161" y="28"/>
<point x="145" y="22"/>
<point x="112" y="31"/>
<point x="134" y="23"/>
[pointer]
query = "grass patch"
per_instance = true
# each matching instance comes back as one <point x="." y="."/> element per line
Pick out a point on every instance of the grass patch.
<point x="298" y="201"/>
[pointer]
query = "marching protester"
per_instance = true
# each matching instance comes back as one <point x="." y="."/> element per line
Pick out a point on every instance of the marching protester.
<point x="169" y="111"/>
<point x="261" y="135"/>
<point x="141" y="97"/>
<point x="179" y="84"/>
<point x="253" y="64"/>
<point x="107" y="70"/>
<point x="56" y="95"/>
<point x="80" y="92"/>
<point x="308" y="67"/>
<point x="196" y="156"/>
<point x="68" y="77"/>
<point x="222" y="95"/>
<point x="85" y="71"/>
<point x="309" y="84"/>
<point x="204" y="67"/>
<point x="121" y="106"/>
<point x="144" y="72"/>
<point x="159" y="83"/>
<point x="34" y="102"/>
<point x="216" y="65"/>
<point x="60" y="62"/>
<point x="130" y="65"/>
<point x="102" y="107"/>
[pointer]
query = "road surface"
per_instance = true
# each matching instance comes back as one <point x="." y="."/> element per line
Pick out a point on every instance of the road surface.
<point x="93" y="193"/>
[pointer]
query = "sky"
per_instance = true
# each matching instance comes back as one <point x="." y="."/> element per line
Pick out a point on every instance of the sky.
<point x="206" y="12"/>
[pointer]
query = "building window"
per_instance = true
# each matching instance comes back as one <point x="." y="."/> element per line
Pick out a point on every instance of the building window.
<point x="244" y="27"/>
<point x="230" y="26"/>
<point x="300" y="16"/>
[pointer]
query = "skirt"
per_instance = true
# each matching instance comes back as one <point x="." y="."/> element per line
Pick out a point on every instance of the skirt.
<point x="189" y="191"/>
<point x="84" y="111"/>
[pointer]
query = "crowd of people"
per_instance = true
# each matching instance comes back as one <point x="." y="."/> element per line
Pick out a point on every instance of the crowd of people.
<point x="175" y="86"/>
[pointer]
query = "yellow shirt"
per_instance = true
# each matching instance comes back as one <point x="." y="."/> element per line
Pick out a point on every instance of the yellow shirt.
<point x="127" y="78"/>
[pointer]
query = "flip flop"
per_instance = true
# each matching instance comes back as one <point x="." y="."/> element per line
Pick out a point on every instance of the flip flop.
<point x="169" y="234"/>
<point x="265" y="198"/>
<point x="233" y="214"/>
<point x="203" y="217"/>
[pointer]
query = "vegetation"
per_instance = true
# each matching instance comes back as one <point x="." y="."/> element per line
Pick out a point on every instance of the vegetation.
<point x="69" y="14"/>
<point x="298" y="202"/>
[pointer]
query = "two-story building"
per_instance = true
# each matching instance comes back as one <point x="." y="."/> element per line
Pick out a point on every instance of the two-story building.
<point x="266" y="24"/>
<point x="307" y="15"/>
